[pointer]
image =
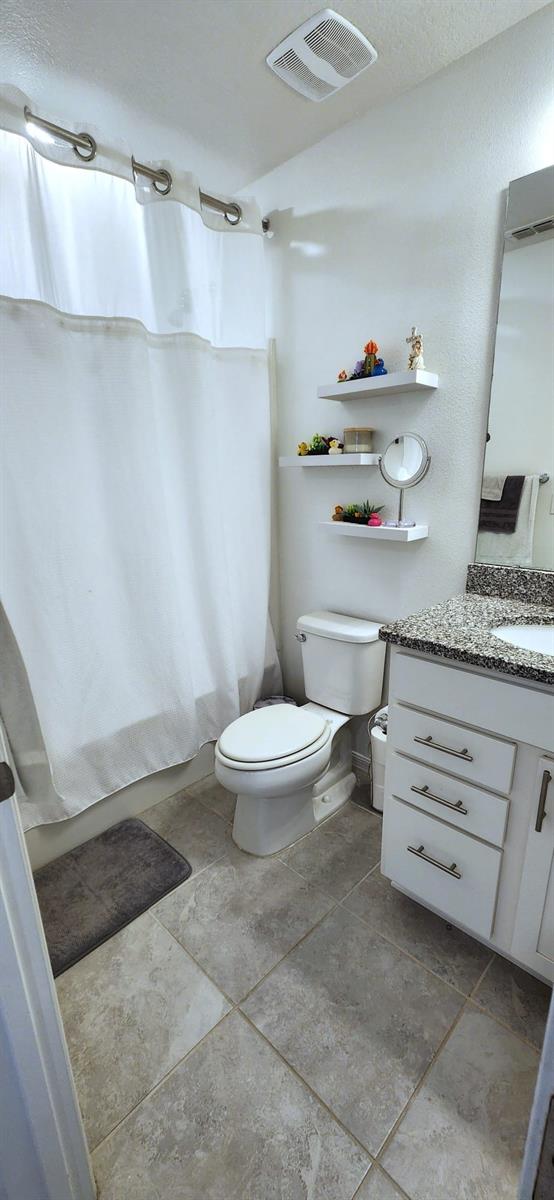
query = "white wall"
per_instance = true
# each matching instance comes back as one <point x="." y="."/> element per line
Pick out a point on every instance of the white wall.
<point x="521" y="422"/>
<point x="397" y="219"/>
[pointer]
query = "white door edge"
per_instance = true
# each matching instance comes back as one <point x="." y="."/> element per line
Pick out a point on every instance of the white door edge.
<point x="40" y="1109"/>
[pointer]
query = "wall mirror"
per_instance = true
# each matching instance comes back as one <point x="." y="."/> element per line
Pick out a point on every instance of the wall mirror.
<point x="404" y="463"/>
<point x="516" y="518"/>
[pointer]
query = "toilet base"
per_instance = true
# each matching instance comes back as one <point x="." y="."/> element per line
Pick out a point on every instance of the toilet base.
<point x="267" y="825"/>
<point x="264" y="826"/>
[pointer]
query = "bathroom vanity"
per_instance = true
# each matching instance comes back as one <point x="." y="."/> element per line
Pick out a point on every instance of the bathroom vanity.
<point x="469" y="781"/>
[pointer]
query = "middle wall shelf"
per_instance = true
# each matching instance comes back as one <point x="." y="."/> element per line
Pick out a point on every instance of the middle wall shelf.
<point x="330" y="460"/>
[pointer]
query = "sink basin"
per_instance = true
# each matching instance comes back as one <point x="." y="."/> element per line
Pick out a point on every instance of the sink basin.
<point x="539" y="638"/>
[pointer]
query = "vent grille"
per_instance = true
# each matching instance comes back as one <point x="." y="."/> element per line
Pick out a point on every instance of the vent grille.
<point x="339" y="46"/>
<point x="322" y="55"/>
<point x="523" y="233"/>
<point x="528" y="231"/>
<point x="291" y="68"/>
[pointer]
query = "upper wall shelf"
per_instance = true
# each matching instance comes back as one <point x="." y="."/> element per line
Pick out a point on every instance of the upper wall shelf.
<point x="330" y="460"/>
<point x="398" y="381"/>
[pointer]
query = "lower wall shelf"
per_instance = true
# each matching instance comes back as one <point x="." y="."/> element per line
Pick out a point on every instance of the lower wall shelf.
<point x="384" y="533"/>
<point x="330" y="460"/>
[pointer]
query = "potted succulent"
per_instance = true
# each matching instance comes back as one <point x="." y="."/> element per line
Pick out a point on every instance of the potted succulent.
<point x="362" y="513"/>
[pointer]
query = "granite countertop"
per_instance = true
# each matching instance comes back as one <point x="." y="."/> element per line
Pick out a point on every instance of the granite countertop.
<point x="460" y="629"/>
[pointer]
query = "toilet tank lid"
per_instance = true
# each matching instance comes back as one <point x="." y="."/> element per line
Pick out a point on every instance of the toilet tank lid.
<point x="338" y="626"/>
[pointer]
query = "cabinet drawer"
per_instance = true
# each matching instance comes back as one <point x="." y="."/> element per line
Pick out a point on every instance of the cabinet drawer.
<point x="466" y="752"/>
<point x="515" y="709"/>
<point x="469" y="896"/>
<point x="461" y="804"/>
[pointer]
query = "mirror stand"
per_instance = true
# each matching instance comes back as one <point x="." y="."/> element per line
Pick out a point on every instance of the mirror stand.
<point x="404" y="463"/>
<point x="400" y="520"/>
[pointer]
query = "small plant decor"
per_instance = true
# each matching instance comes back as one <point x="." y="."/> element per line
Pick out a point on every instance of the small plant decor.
<point x="366" y="367"/>
<point x="321" y="444"/>
<point x="363" y="513"/>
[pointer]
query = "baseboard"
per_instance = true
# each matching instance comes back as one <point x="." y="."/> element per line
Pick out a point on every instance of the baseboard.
<point x="360" y="766"/>
<point x="46" y="842"/>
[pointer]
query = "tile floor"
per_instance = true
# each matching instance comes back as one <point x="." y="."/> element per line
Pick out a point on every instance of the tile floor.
<point x="294" y="1029"/>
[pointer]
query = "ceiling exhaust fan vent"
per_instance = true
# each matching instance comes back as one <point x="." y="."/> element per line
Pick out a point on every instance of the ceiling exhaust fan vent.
<point x="295" y="72"/>
<point x="322" y="55"/>
<point x="343" y="48"/>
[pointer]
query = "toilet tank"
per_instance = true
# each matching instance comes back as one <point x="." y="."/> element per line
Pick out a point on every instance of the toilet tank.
<point x="343" y="661"/>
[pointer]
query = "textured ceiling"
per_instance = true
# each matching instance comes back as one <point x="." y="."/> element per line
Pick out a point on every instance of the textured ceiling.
<point x="194" y="72"/>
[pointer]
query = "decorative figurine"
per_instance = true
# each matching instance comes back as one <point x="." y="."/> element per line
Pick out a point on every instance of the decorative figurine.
<point x="367" y="366"/>
<point x="320" y="444"/>
<point x="415" y="357"/>
<point x="379" y="368"/>
<point x="371" y="349"/>
<point x="338" y="513"/>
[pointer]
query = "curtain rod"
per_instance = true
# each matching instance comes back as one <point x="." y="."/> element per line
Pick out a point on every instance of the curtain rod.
<point x="85" y="148"/>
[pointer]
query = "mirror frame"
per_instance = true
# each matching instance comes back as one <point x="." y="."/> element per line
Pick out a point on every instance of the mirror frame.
<point x="509" y="221"/>
<point x="419" y="474"/>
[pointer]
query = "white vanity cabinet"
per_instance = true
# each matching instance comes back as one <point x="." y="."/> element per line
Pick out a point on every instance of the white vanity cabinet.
<point x="469" y="802"/>
<point x="533" y="940"/>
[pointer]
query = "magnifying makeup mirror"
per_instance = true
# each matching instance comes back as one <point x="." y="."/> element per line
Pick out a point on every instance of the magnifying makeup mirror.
<point x="404" y="463"/>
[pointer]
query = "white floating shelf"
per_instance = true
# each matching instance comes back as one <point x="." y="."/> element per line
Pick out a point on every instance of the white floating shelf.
<point x="331" y="460"/>
<point x="380" y="385"/>
<point x="385" y="533"/>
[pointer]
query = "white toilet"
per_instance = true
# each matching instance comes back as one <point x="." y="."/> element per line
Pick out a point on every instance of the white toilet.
<point x="291" y="767"/>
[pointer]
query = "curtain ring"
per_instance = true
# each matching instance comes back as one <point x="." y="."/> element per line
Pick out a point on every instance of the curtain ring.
<point x="233" y="214"/>
<point x="162" y="185"/>
<point x="86" y="156"/>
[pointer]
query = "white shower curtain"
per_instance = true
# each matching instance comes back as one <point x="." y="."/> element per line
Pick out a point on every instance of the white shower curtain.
<point x="135" y="460"/>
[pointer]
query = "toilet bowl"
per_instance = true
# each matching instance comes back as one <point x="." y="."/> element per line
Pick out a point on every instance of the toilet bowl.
<point x="291" y="767"/>
<point x="273" y="763"/>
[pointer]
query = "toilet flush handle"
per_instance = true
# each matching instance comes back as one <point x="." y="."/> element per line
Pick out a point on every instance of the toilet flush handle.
<point x="300" y="637"/>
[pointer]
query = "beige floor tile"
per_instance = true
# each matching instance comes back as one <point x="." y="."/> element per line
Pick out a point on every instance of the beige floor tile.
<point x="240" y="916"/>
<point x="357" y="1019"/>
<point x="517" y="998"/>
<point x="230" y="1123"/>
<point x="213" y="795"/>
<point x="377" y="1186"/>
<point x="463" y="1135"/>
<point x="338" y="853"/>
<point x="199" y="834"/>
<point x="131" y="1010"/>
<point x="451" y="954"/>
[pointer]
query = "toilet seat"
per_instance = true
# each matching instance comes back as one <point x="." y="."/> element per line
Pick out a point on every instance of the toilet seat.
<point x="272" y="737"/>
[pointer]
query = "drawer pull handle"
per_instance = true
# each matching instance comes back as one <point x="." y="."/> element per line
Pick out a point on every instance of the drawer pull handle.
<point x="424" y="791"/>
<point x="419" y="853"/>
<point x="428" y="741"/>
<point x="541" y="814"/>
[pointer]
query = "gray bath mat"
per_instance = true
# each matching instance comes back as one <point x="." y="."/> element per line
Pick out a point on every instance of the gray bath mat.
<point x="89" y="894"/>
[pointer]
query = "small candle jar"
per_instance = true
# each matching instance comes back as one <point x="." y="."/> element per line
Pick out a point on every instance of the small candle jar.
<point x="358" y="440"/>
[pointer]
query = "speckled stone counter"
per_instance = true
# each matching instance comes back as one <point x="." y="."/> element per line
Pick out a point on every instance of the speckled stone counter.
<point x="513" y="583"/>
<point x="460" y="629"/>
